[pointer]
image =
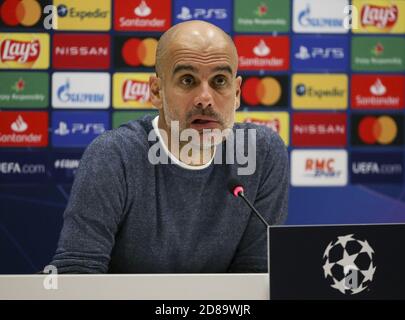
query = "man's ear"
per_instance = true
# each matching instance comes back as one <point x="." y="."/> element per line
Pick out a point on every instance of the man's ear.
<point x="155" y="91"/>
<point x="238" y="83"/>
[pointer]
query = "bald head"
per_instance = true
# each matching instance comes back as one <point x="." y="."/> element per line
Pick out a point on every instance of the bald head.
<point x="196" y="35"/>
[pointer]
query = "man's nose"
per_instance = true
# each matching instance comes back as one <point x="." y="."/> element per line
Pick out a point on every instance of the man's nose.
<point x="204" y="97"/>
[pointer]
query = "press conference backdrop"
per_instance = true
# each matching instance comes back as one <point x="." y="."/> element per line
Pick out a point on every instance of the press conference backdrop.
<point x="334" y="94"/>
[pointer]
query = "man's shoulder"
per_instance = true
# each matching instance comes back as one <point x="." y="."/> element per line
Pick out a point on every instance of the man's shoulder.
<point x="131" y="136"/>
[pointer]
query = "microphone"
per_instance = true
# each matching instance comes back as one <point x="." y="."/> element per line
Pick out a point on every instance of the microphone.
<point x="236" y="188"/>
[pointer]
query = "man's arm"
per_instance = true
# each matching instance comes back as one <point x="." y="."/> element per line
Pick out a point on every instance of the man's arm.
<point x="271" y="202"/>
<point x="94" y="211"/>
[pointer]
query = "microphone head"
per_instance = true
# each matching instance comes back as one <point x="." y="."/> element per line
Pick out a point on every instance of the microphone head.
<point x="235" y="187"/>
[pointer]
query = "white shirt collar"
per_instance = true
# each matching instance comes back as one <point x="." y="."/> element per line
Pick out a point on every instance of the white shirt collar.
<point x="172" y="157"/>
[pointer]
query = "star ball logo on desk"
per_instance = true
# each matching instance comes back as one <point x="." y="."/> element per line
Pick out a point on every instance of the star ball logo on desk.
<point x="24" y="50"/>
<point x="142" y="15"/>
<point x="348" y="264"/>
<point x="83" y="15"/>
<point x="213" y="11"/>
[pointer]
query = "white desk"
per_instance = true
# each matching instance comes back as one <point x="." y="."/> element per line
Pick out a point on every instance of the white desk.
<point x="138" y="286"/>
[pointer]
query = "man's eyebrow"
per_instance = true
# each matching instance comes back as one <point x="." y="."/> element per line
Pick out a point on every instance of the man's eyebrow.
<point x="184" y="67"/>
<point x="225" y="68"/>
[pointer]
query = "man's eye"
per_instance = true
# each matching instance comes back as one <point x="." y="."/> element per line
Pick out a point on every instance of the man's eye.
<point x="187" y="81"/>
<point x="220" y="81"/>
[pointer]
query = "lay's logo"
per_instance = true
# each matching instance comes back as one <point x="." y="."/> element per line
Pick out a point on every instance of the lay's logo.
<point x="137" y="91"/>
<point x="23" y="50"/>
<point x="379" y="16"/>
<point x="131" y="90"/>
<point x="277" y="121"/>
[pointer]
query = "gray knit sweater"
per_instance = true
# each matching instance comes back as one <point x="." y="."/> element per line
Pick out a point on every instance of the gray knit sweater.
<point x="126" y="215"/>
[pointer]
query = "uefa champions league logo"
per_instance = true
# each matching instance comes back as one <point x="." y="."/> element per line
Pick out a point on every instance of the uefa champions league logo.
<point x="348" y="264"/>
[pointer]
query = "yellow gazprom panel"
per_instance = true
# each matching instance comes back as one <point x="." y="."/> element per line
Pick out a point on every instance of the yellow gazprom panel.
<point x="278" y="121"/>
<point x="379" y="16"/>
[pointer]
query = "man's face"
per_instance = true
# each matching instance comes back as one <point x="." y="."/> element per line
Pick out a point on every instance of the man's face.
<point x="199" y="88"/>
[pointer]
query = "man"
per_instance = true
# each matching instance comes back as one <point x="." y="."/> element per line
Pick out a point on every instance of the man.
<point x="129" y="212"/>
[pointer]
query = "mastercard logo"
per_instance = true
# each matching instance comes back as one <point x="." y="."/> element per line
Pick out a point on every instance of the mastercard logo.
<point x="382" y="130"/>
<point x="261" y="91"/>
<point x="24" y="12"/>
<point x="136" y="52"/>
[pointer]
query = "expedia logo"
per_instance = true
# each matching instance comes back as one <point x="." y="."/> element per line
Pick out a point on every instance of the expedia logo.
<point x="64" y="11"/>
<point x="379" y="130"/>
<point x="135" y="52"/>
<point x="319" y="91"/>
<point x="379" y="16"/>
<point x="266" y="91"/>
<point x="83" y="15"/>
<point x="303" y="90"/>
<point x="20" y="13"/>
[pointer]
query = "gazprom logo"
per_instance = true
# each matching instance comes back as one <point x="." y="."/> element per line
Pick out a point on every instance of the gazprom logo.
<point x="81" y="90"/>
<point x="65" y="95"/>
<point x="305" y="20"/>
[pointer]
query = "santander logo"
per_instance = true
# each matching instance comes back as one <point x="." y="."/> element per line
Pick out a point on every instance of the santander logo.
<point x="142" y="10"/>
<point x="261" y="50"/>
<point x="133" y="90"/>
<point x="19" y="125"/>
<point x="20" y="51"/>
<point x="379" y="16"/>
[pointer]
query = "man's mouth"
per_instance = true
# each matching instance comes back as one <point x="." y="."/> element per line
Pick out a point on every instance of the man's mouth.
<point x="204" y="122"/>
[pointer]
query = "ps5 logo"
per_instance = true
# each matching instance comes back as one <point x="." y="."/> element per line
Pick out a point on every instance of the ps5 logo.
<point x="202" y="13"/>
<point x="317" y="52"/>
<point x="79" y="128"/>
